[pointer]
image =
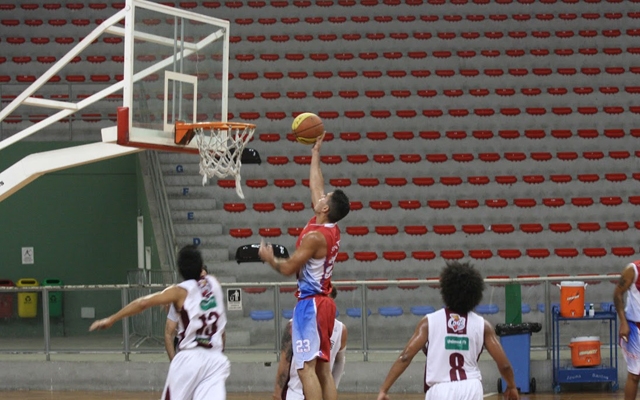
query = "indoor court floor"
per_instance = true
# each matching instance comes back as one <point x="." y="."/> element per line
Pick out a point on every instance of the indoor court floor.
<point x="27" y="395"/>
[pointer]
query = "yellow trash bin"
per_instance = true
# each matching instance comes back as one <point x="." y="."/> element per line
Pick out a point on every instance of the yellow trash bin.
<point x="27" y="301"/>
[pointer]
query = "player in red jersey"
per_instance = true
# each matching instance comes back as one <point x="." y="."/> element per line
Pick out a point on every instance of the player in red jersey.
<point x="312" y="262"/>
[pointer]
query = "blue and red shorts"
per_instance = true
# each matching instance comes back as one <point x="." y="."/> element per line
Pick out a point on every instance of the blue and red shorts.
<point x="313" y="320"/>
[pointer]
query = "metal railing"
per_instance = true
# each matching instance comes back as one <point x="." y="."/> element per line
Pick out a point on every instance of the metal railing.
<point x="126" y="290"/>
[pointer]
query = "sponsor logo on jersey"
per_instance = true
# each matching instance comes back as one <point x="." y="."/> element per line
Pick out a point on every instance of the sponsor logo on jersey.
<point x="456" y="343"/>
<point x="208" y="303"/>
<point x="456" y="322"/>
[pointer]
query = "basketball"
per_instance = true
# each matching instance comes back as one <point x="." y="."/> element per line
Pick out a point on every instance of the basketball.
<point x="307" y="127"/>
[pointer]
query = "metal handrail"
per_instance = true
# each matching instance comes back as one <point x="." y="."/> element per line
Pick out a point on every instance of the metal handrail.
<point x="164" y="211"/>
<point x="362" y="284"/>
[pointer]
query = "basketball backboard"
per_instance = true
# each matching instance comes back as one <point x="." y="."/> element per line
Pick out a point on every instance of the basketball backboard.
<point x="176" y="69"/>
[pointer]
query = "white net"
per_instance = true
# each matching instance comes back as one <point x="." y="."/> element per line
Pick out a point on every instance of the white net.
<point x="221" y="148"/>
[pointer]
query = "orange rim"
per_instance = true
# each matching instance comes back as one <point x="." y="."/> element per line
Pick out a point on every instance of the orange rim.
<point x="184" y="132"/>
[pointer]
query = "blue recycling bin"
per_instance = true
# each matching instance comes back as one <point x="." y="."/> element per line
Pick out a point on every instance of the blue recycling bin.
<point x="516" y="342"/>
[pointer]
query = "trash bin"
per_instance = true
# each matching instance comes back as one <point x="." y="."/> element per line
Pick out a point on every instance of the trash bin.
<point x="27" y="301"/>
<point x="6" y="300"/>
<point x="516" y="342"/>
<point x="55" y="298"/>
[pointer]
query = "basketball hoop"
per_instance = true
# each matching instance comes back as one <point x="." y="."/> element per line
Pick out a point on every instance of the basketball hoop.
<point x="220" y="146"/>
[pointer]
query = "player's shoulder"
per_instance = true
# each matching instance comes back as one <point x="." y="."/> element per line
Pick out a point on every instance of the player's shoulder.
<point x="313" y="238"/>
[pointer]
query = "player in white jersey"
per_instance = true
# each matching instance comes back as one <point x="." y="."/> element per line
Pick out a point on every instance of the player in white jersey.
<point x="200" y="369"/>
<point x="452" y="339"/>
<point x="629" y="330"/>
<point x="288" y="385"/>
<point x="171" y="326"/>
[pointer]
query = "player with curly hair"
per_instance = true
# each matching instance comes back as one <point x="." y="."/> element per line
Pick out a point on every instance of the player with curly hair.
<point x="453" y="338"/>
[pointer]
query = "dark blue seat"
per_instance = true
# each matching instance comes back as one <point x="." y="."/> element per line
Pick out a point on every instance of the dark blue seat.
<point x="261" y="315"/>
<point x="390" y="311"/>
<point x="356" y="312"/>
<point x="422" y="310"/>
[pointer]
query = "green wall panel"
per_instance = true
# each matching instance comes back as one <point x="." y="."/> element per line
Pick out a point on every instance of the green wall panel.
<point x="81" y="223"/>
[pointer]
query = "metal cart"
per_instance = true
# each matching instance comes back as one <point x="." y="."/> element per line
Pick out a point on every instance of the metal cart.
<point x="606" y="372"/>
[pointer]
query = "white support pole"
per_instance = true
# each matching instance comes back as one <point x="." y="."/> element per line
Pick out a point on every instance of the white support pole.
<point x="147" y="257"/>
<point x="66" y="59"/>
<point x="35" y="165"/>
<point x="129" y="27"/>
<point x="140" y="226"/>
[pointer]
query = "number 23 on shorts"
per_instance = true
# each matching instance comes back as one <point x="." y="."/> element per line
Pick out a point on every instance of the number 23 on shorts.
<point x="302" y="346"/>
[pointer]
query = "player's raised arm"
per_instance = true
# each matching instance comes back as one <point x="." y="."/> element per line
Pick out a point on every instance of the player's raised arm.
<point x="172" y="294"/>
<point x="316" y="180"/>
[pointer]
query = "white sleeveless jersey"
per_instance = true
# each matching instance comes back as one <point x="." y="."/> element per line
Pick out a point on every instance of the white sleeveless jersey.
<point x="632" y="308"/>
<point x="294" y="386"/>
<point x="202" y="318"/>
<point x="455" y="343"/>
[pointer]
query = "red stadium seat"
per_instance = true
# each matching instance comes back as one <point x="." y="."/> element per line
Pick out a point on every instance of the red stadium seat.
<point x="481" y="254"/>
<point x="256" y="183"/>
<point x="423" y="255"/>
<point x="386" y="230"/>
<point x="560" y="227"/>
<point x="293" y="206"/>
<point x="409" y="204"/>
<point x="368" y="182"/>
<point x="509" y="253"/>
<point x="531" y="228"/>
<point x="538" y="253"/>
<point x="357" y="230"/>
<point x="496" y="203"/>
<point x="394" y="255"/>
<point x="452" y="254"/>
<point x="617" y="226"/>
<point x="566" y="252"/>
<point x="438" y="204"/>
<point x="240" y="232"/>
<point x="473" y="229"/>
<point x="264" y="207"/>
<point x="395" y="181"/>
<point x="380" y="204"/>
<point x="415" y="229"/>
<point x="471" y="203"/>
<point x="270" y="232"/>
<point x="365" y="255"/>
<point x="502" y="228"/>
<point x="589" y="226"/>
<point x="444" y="229"/>
<point x="623" y="251"/>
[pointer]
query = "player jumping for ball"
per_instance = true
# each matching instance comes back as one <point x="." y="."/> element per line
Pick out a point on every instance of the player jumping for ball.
<point x="312" y="262"/>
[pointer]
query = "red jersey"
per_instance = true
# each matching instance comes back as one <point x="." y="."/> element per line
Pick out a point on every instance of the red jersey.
<point x="315" y="276"/>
